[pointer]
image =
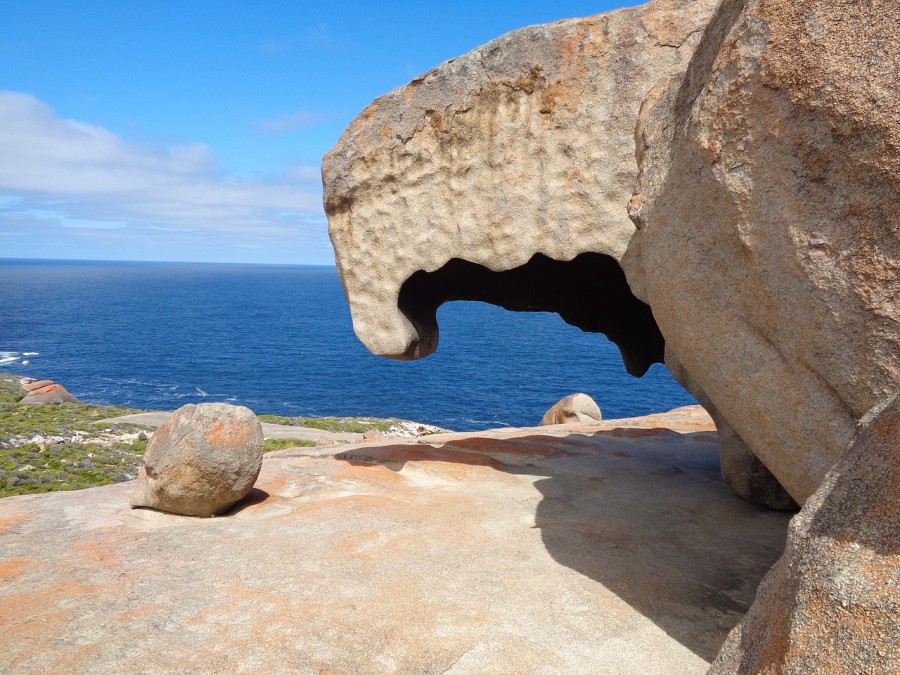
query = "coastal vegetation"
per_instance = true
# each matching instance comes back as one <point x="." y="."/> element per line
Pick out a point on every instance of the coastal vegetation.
<point x="353" y="425"/>
<point x="67" y="446"/>
<point x="60" y="447"/>
<point x="272" y="444"/>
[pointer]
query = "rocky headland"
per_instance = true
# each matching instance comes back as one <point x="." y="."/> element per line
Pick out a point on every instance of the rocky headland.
<point x="713" y="185"/>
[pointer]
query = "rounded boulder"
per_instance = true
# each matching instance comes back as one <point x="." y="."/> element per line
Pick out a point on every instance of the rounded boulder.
<point x="573" y="409"/>
<point x="201" y="461"/>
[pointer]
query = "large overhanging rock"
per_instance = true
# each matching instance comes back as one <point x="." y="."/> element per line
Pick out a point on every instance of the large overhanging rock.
<point x="511" y="159"/>
<point x="768" y="210"/>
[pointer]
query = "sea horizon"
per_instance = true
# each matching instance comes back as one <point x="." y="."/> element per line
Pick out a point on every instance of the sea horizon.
<point x="159" y="262"/>
<point x="279" y="339"/>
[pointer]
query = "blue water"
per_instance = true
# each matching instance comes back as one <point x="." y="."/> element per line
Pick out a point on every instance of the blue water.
<point x="278" y="339"/>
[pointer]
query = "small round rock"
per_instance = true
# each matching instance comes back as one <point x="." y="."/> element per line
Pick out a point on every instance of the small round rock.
<point x="573" y="409"/>
<point x="201" y="461"/>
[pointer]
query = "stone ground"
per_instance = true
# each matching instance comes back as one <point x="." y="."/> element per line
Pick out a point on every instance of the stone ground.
<point x="607" y="549"/>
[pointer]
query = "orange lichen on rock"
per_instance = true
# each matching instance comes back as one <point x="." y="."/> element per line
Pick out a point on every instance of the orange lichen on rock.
<point x="8" y="522"/>
<point x="227" y="433"/>
<point x="12" y="567"/>
<point x="34" y="619"/>
<point x="37" y="384"/>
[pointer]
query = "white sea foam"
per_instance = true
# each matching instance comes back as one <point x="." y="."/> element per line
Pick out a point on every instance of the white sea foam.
<point x="13" y="357"/>
<point x="201" y="392"/>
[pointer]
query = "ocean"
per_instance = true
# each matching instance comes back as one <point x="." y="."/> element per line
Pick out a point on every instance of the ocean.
<point x="279" y="340"/>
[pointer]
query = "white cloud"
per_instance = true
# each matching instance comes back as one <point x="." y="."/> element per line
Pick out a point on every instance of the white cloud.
<point x="79" y="175"/>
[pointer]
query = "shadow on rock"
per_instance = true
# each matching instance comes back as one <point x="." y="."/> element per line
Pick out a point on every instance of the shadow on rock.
<point x="644" y="512"/>
<point x="254" y="497"/>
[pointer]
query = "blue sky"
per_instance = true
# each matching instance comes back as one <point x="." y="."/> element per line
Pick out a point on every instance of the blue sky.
<point x="193" y="130"/>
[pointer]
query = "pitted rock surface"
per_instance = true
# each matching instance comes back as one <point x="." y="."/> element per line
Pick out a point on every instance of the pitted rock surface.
<point x="201" y="460"/>
<point x="523" y="146"/>
<point x="519" y="152"/>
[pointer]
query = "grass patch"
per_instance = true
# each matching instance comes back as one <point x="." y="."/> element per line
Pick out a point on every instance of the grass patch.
<point x="58" y="419"/>
<point x="34" y="467"/>
<point x="59" y="447"/>
<point x="355" y="425"/>
<point x="10" y="391"/>
<point x="283" y="443"/>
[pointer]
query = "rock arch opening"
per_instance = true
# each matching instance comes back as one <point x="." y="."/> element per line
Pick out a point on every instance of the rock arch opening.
<point x="589" y="292"/>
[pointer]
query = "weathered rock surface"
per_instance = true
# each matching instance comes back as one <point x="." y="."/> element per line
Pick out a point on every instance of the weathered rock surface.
<point x="611" y="549"/>
<point x="488" y="159"/>
<point x="201" y="461"/>
<point x="34" y="384"/>
<point x="520" y="148"/>
<point x="768" y="211"/>
<point x="41" y="392"/>
<point x="768" y="208"/>
<point x="371" y="436"/>
<point x="744" y="473"/>
<point x="832" y="602"/>
<point x="575" y="408"/>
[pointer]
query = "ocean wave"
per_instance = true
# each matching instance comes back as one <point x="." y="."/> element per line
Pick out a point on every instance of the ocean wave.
<point x="16" y="357"/>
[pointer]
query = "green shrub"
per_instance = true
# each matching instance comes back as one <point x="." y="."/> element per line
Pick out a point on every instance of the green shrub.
<point x="46" y="467"/>
<point x="356" y="425"/>
<point x="283" y="443"/>
<point x="11" y="391"/>
<point x="32" y="461"/>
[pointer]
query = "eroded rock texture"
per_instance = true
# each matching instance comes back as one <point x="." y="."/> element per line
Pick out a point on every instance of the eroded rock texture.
<point x="201" y="461"/>
<point x="831" y="604"/>
<point x="42" y="392"/>
<point x="513" y="157"/>
<point x="768" y="214"/>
